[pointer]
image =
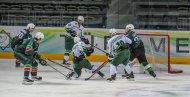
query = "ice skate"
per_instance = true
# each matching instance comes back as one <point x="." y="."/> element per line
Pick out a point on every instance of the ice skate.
<point x="129" y="77"/>
<point x="36" y="78"/>
<point x="112" y="78"/>
<point x="151" y="72"/>
<point x="27" y="81"/>
<point x="66" y="63"/>
<point x="69" y="75"/>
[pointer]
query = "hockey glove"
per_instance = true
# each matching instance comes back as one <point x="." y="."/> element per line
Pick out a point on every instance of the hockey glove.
<point x="107" y="54"/>
<point x="110" y="58"/>
<point x="43" y="62"/>
<point x="73" y="34"/>
<point x="90" y="50"/>
<point x="85" y="40"/>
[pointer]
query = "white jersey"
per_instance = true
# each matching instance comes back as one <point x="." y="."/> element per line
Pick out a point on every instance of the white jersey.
<point x="115" y="42"/>
<point x="75" y="27"/>
<point x="78" y="49"/>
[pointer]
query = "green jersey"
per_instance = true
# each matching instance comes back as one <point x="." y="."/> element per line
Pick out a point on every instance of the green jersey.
<point x="136" y="41"/>
<point x="29" y="47"/>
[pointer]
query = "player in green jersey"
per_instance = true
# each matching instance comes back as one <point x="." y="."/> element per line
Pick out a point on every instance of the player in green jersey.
<point x="27" y="53"/>
<point x="23" y="35"/>
<point x="137" y="49"/>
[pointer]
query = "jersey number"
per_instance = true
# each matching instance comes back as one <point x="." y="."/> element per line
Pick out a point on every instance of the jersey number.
<point x="20" y="35"/>
<point x="120" y="43"/>
<point x="136" y="39"/>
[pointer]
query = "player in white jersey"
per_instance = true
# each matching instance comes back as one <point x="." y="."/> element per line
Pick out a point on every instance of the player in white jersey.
<point x="74" y="28"/>
<point x="119" y="53"/>
<point x="80" y="52"/>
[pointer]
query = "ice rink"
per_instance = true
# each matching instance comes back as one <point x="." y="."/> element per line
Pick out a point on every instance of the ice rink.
<point x="55" y="85"/>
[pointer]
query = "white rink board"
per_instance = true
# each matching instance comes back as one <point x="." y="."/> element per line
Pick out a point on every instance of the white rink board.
<point x="54" y="84"/>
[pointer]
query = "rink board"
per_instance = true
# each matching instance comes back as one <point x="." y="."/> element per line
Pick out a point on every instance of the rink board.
<point x="93" y="58"/>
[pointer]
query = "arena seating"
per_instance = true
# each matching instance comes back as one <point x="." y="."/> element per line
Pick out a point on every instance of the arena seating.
<point x="52" y="12"/>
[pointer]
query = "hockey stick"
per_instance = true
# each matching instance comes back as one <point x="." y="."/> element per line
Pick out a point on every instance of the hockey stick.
<point x="97" y="70"/>
<point x="100" y="50"/>
<point x="57" y="70"/>
<point x="59" y="64"/>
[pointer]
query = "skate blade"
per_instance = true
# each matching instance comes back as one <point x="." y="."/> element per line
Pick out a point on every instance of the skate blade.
<point x="156" y="78"/>
<point x="111" y="80"/>
<point x="131" y="79"/>
<point x="37" y="80"/>
<point x="27" y="83"/>
<point x="67" y="65"/>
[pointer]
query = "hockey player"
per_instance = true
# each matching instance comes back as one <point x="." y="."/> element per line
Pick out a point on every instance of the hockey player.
<point x="118" y="50"/>
<point x="137" y="50"/>
<point x="26" y="53"/>
<point x="23" y="34"/>
<point x="74" y="28"/>
<point x="80" y="52"/>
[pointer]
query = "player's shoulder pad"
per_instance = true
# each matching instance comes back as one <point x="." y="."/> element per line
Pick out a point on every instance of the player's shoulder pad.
<point x="23" y="31"/>
<point x="74" y="23"/>
<point x="133" y="33"/>
<point x="71" y="24"/>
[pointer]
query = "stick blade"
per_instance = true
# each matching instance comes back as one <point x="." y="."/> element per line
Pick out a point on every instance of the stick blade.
<point x="86" y="79"/>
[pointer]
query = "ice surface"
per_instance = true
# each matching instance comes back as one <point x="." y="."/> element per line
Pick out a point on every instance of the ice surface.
<point x="55" y="85"/>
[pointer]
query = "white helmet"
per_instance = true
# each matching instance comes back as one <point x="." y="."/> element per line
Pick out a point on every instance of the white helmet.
<point x="30" y="26"/>
<point x="39" y="35"/>
<point x="77" y="39"/>
<point x="80" y="18"/>
<point x="129" y="27"/>
<point x="112" y="31"/>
